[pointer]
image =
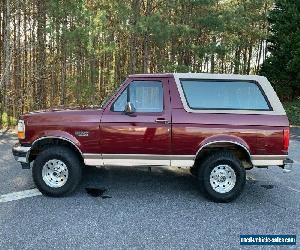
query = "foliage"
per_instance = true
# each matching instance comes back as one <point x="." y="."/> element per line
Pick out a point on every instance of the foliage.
<point x="292" y="109"/>
<point x="7" y="121"/>
<point x="283" y="66"/>
<point x="75" y="52"/>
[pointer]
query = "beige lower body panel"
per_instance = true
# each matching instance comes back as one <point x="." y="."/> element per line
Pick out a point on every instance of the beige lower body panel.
<point x="93" y="159"/>
<point x="138" y="160"/>
<point x="268" y="160"/>
<point x="167" y="160"/>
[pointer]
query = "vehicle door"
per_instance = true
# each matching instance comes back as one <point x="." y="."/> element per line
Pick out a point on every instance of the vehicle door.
<point x="136" y="125"/>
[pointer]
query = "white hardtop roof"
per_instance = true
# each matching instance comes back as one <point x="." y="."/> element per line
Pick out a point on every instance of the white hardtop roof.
<point x="219" y="76"/>
<point x="277" y="108"/>
<point x="201" y="75"/>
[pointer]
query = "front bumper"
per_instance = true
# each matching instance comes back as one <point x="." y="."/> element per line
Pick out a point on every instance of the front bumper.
<point x="21" y="153"/>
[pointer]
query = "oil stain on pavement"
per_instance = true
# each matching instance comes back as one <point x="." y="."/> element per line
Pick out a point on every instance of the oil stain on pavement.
<point x="97" y="192"/>
<point x="267" y="186"/>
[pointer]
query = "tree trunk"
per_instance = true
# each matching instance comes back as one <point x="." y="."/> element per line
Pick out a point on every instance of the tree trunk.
<point x="245" y="60"/>
<point x="259" y="57"/>
<point x="237" y="60"/>
<point x="249" y="59"/>
<point x="41" y="53"/>
<point x="212" y="58"/>
<point x="133" y="42"/>
<point x="5" y="80"/>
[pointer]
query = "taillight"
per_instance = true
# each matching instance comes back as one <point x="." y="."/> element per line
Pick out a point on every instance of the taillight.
<point x="286" y="139"/>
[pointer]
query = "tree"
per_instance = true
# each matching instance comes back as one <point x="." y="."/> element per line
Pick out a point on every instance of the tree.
<point x="283" y="65"/>
<point x="75" y="52"/>
<point x="5" y="54"/>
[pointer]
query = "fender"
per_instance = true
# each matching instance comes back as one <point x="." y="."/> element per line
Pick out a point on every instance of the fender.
<point x="224" y="139"/>
<point x="50" y="134"/>
<point x="63" y="135"/>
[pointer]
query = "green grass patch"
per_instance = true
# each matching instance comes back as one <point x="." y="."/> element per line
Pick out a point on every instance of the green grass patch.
<point x="292" y="109"/>
<point x="5" y="121"/>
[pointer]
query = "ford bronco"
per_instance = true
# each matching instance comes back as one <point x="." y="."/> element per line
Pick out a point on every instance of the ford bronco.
<point x="217" y="125"/>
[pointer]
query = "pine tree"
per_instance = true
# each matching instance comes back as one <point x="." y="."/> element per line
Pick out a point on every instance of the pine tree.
<point x="75" y="52"/>
<point x="283" y="66"/>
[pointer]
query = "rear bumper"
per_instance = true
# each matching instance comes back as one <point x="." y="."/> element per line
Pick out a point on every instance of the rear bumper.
<point x="268" y="160"/>
<point x="287" y="165"/>
<point x="21" y="153"/>
<point x="264" y="161"/>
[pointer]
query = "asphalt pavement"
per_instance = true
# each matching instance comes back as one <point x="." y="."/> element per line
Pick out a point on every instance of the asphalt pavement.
<point x="139" y="209"/>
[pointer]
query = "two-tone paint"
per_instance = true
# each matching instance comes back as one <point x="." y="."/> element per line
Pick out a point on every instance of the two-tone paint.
<point x="173" y="137"/>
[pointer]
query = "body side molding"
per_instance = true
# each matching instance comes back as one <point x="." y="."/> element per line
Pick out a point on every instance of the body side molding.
<point x="166" y="160"/>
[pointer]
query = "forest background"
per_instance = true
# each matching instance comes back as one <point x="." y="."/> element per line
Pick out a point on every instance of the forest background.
<point x="60" y="53"/>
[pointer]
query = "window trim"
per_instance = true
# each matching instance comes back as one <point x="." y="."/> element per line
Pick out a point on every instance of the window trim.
<point x="263" y="82"/>
<point x="128" y="96"/>
<point x="116" y="99"/>
<point x="226" y="80"/>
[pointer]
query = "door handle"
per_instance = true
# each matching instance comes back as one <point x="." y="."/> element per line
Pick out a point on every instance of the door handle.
<point x="162" y="120"/>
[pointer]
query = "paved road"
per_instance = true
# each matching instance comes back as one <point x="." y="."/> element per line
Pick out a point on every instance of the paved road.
<point x="161" y="209"/>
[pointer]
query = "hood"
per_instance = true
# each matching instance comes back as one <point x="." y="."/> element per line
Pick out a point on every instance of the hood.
<point x="58" y="116"/>
<point x="59" y="109"/>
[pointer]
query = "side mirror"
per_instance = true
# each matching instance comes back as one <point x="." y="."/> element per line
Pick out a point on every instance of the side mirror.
<point x="129" y="108"/>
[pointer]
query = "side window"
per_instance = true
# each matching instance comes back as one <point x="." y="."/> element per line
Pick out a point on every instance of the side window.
<point x="146" y="96"/>
<point x="222" y="95"/>
<point x="120" y="103"/>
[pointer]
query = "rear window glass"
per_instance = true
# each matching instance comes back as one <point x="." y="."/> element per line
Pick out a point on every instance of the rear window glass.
<point x="224" y="95"/>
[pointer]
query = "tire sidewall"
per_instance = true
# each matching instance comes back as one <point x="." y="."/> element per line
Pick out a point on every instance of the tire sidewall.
<point x="235" y="191"/>
<point x="38" y="178"/>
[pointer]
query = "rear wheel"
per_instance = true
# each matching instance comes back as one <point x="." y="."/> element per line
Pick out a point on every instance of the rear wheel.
<point x="221" y="177"/>
<point x="57" y="171"/>
<point x="194" y="171"/>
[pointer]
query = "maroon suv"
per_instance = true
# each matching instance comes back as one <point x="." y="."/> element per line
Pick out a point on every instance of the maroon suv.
<point x="216" y="125"/>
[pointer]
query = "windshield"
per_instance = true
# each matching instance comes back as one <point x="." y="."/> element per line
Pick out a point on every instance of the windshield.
<point x="109" y="95"/>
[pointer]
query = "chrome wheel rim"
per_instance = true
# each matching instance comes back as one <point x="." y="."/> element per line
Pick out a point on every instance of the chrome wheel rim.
<point x="55" y="173"/>
<point x="222" y="179"/>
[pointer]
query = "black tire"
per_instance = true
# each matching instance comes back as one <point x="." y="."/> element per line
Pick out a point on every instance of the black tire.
<point x="71" y="161"/>
<point x="194" y="171"/>
<point x="208" y="165"/>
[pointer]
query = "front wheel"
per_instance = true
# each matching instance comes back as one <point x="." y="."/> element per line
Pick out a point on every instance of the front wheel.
<point x="221" y="176"/>
<point x="57" y="171"/>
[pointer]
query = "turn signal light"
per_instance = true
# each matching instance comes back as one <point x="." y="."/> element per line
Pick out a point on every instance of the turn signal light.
<point x="21" y="130"/>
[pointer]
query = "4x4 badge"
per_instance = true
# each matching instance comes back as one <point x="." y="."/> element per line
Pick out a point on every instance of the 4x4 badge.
<point x="82" y="133"/>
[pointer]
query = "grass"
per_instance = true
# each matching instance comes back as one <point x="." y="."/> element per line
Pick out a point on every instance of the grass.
<point x="292" y="109"/>
<point x="5" y="119"/>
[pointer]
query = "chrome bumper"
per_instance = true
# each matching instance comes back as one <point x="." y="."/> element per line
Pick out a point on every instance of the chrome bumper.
<point x="21" y="153"/>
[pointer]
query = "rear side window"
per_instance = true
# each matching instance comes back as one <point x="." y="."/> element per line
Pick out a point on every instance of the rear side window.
<point x="224" y="95"/>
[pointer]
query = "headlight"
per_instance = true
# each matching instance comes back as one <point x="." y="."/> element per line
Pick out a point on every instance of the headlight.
<point x="21" y="129"/>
